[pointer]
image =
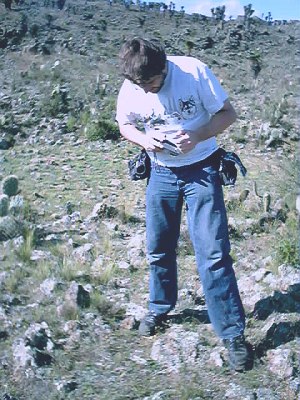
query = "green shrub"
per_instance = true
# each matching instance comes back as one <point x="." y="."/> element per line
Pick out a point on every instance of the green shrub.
<point x="288" y="252"/>
<point x="25" y="251"/>
<point x="102" y="130"/>
<point x="58" y="102"/>
<point x="240" y="135"/>
<point x="287" y="246"/>
<point x="105" y="276"/>
<point x="103" y="25"/>
<point x="157" y="34"/>
<point x="71" y="123"/>
<point x="84" y="118"/>
<point x="34" y="30"/>
<point x="109" y="311"/>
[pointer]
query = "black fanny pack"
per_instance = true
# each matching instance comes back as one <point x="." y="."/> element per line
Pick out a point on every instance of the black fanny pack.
<point x="139" y="167"/>
<point x="228" y="169"/>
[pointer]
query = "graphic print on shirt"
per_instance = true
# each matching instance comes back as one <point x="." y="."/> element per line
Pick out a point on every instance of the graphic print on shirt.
<point x="188" y="108"/>
<point x="155" y="120"/>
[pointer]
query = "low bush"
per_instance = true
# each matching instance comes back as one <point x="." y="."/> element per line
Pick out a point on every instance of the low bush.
<point x="102" y="130"/>
<point x="287" y="246"/>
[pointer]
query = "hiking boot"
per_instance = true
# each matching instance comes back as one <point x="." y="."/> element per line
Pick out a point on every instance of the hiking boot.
<point x="239" y="356"/>
<point x="149" y="323"/>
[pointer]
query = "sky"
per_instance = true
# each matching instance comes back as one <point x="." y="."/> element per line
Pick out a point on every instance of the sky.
<point x="280" y="9"/>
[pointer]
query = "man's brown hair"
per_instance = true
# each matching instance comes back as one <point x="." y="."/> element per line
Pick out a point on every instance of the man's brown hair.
<point x="141" y="59"/>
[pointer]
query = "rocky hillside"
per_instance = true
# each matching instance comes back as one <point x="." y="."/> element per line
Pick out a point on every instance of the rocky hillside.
<point x="73" y="274"/>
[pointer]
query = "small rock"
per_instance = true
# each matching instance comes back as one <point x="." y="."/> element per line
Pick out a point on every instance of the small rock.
<point x="280" y="362"/>
<point x="79" y="295"/>
<point x="47" y="286"/>
<point x="83" y="253"/>
<point x="38" y="255"/>
<point x="177" y="348"/>
<point x="136" y="311"/>
<point x="216" y="358"/>
<point x="22" y="354"/>
<point x="129" y="323"/>
<point x="123" y="265"/>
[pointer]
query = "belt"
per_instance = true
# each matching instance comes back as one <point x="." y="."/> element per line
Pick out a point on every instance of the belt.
<point x="212" y="160"/>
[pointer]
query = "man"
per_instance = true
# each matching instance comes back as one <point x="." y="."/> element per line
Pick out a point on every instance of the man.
<point x="178" y="99"/>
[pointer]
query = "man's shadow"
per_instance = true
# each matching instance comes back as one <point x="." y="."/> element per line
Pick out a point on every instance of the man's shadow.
<point x="280" y="302"/>
<point x="190" y="315"/>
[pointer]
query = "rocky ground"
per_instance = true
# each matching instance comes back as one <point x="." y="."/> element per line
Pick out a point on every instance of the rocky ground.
<point x="73" y="274"/>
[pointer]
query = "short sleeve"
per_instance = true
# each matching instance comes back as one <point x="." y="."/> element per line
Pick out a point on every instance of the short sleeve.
<point x="122" y="104"/>
<point x="128" y="102"/>
<point x="212" y="94"/>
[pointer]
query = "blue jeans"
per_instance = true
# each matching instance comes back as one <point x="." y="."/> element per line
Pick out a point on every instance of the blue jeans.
<point x="199" y="187"/>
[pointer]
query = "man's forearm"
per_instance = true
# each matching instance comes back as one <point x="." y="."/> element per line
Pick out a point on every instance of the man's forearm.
<point x="217" y="124"/>
<point x="185" y="141"/>
<point x="132" y="134"/>
<point x="150" y="141"/>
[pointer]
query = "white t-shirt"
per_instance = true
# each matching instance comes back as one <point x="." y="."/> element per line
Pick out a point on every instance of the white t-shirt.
<point x="190" y="95"/>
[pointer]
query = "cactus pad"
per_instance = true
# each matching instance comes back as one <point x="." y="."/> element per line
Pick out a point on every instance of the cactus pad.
<point x="4" y="202"/>
<point x="10" y="185"/>
<point x="16" y="205"/>
<point x="9" y="228"/>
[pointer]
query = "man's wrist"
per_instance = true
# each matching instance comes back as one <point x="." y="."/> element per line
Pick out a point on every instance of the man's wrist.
<point x="203" y="133"/>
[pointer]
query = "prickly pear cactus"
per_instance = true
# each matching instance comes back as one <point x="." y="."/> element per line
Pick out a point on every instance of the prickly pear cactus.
<point x="4" y="203"/>
<point x="16" y="205"/>
<point x="9" y="228"/>
<point x="10" y="185"/>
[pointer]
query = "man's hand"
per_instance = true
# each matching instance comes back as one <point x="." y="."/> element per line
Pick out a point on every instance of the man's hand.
<point x="187" y="140"/>
<point x="184" y="140"/>
<point x="152" y="140"/>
